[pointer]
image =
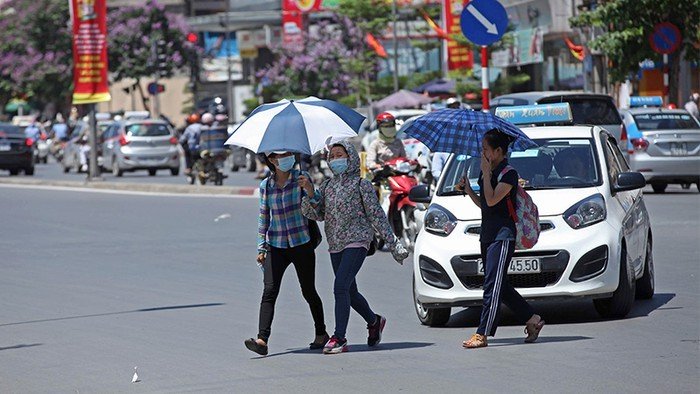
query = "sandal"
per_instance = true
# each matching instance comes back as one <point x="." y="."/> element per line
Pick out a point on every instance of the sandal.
<point x="254" y="346"/>
<point x="533" y="330"/>
<point x="316" y="344"/>
<point x="476" y="341"/>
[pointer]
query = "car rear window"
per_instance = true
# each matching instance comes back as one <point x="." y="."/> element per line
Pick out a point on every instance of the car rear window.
<point x="661" y="121"/>
<point x="589" y="110"/>
<point x="147" y="130"/>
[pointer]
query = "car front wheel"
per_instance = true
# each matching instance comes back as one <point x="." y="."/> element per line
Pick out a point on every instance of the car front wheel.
<point x="620" y="303"/>
<point x="433" y="317"/>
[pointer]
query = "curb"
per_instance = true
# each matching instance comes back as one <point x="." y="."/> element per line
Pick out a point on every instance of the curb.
<point x="139" y="187"/>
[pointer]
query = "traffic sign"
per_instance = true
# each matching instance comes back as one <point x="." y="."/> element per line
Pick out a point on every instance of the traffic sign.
<point x="484" y="22"/>
<point x="155" y="88"/>
<point x="665" y="39"/>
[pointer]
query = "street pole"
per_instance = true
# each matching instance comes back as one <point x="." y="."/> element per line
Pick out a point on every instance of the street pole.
<point x="93" y="173"/>
<point x="485" y="100"/>
<point x="156" y="99"/>
<point x="229" y="83"/>
<point x="445" y="43"/>
<point x="665" y="79"/>
<point x="396" y="47"/>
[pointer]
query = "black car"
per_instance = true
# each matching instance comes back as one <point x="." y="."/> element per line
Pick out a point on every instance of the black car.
<point x="16" y="151"/>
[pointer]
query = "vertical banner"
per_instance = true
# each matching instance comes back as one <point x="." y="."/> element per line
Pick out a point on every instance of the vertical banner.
<point x="459" y="57"/>
<point x="89" y="18"/>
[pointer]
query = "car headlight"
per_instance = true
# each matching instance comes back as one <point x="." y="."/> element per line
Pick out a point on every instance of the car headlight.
<point x="586" y="212"/>
<point x="439" y="221"/>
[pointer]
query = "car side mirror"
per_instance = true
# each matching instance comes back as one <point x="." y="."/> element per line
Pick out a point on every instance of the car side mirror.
<point x="627" y="181"/>
<point x="420" y="194"/>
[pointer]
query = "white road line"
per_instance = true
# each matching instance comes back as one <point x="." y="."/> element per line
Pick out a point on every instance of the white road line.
<point x="126" y="192"/>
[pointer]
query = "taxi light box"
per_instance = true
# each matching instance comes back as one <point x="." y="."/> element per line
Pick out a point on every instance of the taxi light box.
<point x="536" y="114"/>
<point x="646" y="101"/>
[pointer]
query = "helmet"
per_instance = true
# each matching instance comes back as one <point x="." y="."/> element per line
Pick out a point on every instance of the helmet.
<point x="207" y="118"/>
<point x="194" y="118"/>
<point x="220" y="117"/>
<point x="385" y="118"/>
<point x="453" y="103"/>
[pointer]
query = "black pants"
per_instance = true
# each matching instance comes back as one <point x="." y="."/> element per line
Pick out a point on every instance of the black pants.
<point x="304" y="259"/>
<point x="496" y="257"/>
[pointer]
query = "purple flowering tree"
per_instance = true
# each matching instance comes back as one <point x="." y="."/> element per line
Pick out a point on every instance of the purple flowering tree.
<point x="317" y="68"/>
<point x="131" y="34"/>
<point x="35" y="52"/>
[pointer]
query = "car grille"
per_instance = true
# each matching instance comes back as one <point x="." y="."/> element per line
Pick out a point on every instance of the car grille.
<point x="553" y="264"/>
<point x="473" y="282"/>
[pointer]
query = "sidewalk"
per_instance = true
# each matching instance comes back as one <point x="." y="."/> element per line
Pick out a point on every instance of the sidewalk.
<point x="136" y="187"/>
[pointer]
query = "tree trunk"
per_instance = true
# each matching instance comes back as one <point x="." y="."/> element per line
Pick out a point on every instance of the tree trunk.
<point x="144" y="100"/>
<point x="674" y="69"/>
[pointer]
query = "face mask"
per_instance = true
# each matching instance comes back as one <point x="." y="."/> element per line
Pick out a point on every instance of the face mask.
<point x="286" y="163"/>
<point x="388" y="131"/>
<point x="338" y="166"/>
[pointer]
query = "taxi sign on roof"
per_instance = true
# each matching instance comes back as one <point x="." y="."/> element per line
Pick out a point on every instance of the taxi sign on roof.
<point x="536" y="114"/>
<point x="646" y="101"/>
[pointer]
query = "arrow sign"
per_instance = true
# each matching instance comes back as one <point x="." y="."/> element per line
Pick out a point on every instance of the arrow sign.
<point x="490" y="27"/>
<point x="484" y="22"/>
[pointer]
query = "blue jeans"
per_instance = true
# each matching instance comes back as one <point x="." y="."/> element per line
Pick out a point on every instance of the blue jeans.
<point x="346" y="265"/>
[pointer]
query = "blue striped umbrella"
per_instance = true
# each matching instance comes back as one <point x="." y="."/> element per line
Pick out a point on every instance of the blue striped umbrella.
<point x="461" y="131"/>
<point x="301" y="126"/>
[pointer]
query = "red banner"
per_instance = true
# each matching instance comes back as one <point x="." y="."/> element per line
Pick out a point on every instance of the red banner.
<point x="459" y="57"/>
<point x="90" y="82"/>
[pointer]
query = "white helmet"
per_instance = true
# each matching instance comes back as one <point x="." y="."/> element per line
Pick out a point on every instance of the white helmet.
<point x="207" y="118"/>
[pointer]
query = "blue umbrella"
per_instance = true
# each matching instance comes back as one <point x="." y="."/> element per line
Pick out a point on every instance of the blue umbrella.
<point x="302" y="126"/>
<point x="461" y="131"/>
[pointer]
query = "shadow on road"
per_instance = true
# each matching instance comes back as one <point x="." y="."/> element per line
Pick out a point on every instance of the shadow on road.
<point x="562" y="312"/>
<point x="20" y="346"/>
<point x="496" y="342"/>
<point x="156" y="309"/>
<point x="356" y="349"/>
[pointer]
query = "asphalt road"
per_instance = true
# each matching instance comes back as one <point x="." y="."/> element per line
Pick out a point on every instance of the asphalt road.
<point x="93" y="285"/>
<point x="53" y="171"/>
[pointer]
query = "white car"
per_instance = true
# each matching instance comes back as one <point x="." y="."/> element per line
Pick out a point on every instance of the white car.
<point x="595" y="240"/>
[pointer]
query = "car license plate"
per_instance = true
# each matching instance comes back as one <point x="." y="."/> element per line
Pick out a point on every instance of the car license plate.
<point x="678" y="149"/>
<point x="518" y="266"/>
<point x="5" y="147"/>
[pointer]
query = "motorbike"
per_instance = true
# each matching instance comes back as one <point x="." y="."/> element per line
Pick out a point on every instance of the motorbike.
<point x="41" y="153"/>
<point x="209" y="167"/>
<point x="394" y="182"/>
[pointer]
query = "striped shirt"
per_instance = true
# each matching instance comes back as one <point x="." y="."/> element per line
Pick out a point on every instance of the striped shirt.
<point x="281" y="223"/>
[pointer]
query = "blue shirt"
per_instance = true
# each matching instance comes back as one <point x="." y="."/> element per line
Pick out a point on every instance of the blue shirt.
<point x="32" y="132"/>
<point x="191" y="136"/>
<point x="60" y="131"/>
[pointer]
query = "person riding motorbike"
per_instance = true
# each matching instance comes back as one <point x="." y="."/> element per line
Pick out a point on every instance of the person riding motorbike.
<point x="190" y="139"/>
<point x="386" y="146"/>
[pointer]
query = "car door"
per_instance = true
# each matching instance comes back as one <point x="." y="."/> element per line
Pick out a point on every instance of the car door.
<point x="626" y="200"/>
<point x="108" y="146"/>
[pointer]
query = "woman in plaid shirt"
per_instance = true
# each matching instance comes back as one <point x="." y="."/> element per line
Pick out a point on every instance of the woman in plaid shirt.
<point x="283" y="239"/>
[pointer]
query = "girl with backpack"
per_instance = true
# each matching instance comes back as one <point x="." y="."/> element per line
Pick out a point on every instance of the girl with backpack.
<point x="349" y="206"/>
<point x="498" y="184"/>
<point x="285" y="237"/>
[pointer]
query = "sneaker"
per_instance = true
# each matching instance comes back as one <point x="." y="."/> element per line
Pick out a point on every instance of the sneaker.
<point x="335" y="346"/>
<point x="375" y="331"/>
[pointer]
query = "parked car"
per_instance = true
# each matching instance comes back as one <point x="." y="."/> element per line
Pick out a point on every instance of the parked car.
<point x="134" y="145"/>
<point x="586" y="108"/>
<point x="16" y="150"/>
<point x="595" y="241"/>
<point x="664" y="144"/>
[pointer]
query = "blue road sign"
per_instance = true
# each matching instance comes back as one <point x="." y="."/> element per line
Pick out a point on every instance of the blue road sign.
<point x="666" y="38"/>
<point x="484" y="22"/>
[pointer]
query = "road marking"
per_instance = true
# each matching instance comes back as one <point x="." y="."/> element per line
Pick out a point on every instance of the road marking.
<point x="125" y="192"/>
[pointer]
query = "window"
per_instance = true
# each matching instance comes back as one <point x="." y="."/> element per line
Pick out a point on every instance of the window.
<point x="147" y="130"/>
<point x="556" y="163"/>
<point x="665" y="121"/>
<point x="614" y="168"/>
<point x="589" y="110"/>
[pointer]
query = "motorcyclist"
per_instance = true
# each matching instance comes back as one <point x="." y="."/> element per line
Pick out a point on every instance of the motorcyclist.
<point x="190" y="139"/>
<point x="386" y="146"/>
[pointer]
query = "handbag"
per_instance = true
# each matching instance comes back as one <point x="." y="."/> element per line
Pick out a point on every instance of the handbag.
<point x="373" y="243"/>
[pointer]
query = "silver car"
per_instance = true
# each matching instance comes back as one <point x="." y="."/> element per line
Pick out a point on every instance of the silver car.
<point x="664" y="145"/>
<point x="147" y="144"/>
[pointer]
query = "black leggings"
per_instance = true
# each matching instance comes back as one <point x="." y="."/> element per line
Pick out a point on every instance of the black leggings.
<point x="304" y="259"/>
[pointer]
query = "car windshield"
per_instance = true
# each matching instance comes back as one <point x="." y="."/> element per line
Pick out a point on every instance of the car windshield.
<point x="662" y="121"/>
<point x="557" y="163"/>
<point x="147" y="130"/>
<point x="593" y="111"/>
